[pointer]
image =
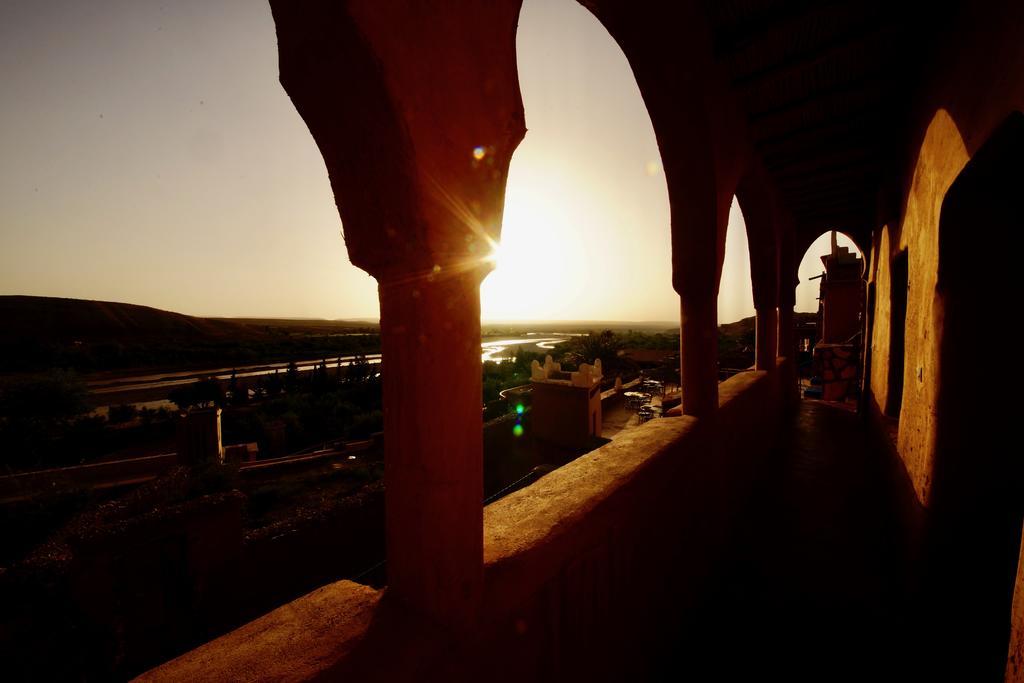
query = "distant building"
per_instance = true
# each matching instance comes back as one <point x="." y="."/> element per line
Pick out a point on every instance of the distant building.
<point x="841" y="301"/>
<point x="840" y="316"/>
<point x="566" y="405"/>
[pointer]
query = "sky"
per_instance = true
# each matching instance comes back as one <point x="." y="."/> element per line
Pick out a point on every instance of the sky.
<point x="149" y="155"/>
<point x="811" y="266"/>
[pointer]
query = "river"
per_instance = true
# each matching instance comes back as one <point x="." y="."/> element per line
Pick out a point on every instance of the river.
<point x="150" y="390"/>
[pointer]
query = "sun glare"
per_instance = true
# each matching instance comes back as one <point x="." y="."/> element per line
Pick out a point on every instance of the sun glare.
<point x="585" y="231"/>
<point x="536" y="266"/>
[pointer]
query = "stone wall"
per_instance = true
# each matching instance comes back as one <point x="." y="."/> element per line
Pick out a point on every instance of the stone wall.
<point x="585" y="571"/>
<point x="124" y="592"/>
<point x="950" y="218"/>
<point x="838" y="367"/>
<point x="950" y="127"/>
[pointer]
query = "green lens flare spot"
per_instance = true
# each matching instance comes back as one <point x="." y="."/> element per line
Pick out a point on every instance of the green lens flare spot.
<point x="517" y="430"/>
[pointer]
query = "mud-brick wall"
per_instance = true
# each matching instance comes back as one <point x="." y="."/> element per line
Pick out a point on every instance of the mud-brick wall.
<point x="588" y="569"/>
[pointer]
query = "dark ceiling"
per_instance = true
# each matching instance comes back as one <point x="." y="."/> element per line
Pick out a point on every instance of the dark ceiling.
<point x="823" y="88"/>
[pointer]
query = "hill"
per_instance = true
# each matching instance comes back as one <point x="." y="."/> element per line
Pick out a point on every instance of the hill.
<point x="39" y="333"/>
<point x="69" y="320"/>
<point x="746" y="325"/>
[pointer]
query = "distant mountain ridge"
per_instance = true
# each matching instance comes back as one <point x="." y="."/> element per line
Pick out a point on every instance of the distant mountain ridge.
<point x="40" y="333"/>
<point x="66" y="320"/>
<point x="59" y="319"/>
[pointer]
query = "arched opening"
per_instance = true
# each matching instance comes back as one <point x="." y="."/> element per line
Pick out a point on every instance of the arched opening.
<point x="811" y="267"/>
<point x="736" y="331"/>
<point x="899" y="282"/>
<point x="586" y="200"/>
<point x="584" y="249"/>
<point x="830" y="305"/>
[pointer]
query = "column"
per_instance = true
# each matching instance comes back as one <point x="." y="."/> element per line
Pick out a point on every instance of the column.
<point x="698" y="350"/>
<point x="417" y="113"/>
<point x="433" y="443"/>
<point x="786" y="343"/>
<point x="766" y="338"/>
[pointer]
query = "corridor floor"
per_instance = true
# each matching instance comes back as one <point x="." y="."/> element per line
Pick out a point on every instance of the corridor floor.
<point x="812" y="587"/>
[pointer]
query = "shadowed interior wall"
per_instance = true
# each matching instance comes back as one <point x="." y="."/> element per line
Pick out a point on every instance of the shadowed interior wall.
<point x="949" y="126"/>
<point x="974" y="524"/>
<point x="946" y="246"/>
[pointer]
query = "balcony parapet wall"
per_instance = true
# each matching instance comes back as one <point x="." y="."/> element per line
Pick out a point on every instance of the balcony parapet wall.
<point x="583" y="570"/>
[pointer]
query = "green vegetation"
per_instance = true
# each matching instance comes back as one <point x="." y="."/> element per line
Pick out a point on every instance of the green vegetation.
<point x="43" y="420"/>
<point x="205" y="393"/>
<point x="500" y="376"/>
<point x="606" y="345"/>
<point x="326" y="404"/>
<point x="658" y="341"/>
<point x="736" y="344"/>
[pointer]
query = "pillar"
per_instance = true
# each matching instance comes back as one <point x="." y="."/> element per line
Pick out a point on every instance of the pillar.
<point x="786" y="344"/>
<point x="698" y="350"/>
<point x="766" y="338"/>
<point x="417" y="113"/>
<point x="760" y="215"/>
<point x="700" y="214"/>
<point x="697" y="250"/>
<point x="787" y="284"/>
<point x="433" y="442"/>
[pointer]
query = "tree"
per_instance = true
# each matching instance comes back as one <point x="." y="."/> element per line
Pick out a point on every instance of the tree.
<point x="358" y="369"/>
<point x="604" y="345"/>
<point x="58" y="395"/>
<point x="320" y="382"/>
<point x="35" y="417"/>
<point x="205" y="393"/>
<point x="273" y="385"/>
<point x="121" y="413"/>
<point x="209" y="393"/>
<point x="237" y="396"/>
<point x="291" y="377"/>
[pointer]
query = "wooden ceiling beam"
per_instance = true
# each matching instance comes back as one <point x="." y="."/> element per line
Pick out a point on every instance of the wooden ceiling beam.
<point x="729" y="38"/>
<point x="836" y="168"/>
<point x="827" y="157"/>
<point x="865" y="83"/>
<point x="834" y="128"/>
<point x="857" y="37"/>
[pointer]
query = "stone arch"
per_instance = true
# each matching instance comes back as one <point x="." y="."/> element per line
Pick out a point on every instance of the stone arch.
<point x="939" y="161"/>
<point x="735" y="295"/>
<point x="417" y="113"/>
<point x="760" y="213"/>
<point x="586" y="189"/>
<point x="837" y="339"/>
<point x="885" y="313"/>
<point x="807" y="239"/>
<point x="736" y="263"/>
<point x="698" y="128"/>
<point x="809" y="260"/>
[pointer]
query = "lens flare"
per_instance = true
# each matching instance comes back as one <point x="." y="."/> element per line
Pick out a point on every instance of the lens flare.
<point x="479" y="153"/>
<point x="520" y="409"/>
<point x="494" y="255"/>
<point x="517" y="430"/>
